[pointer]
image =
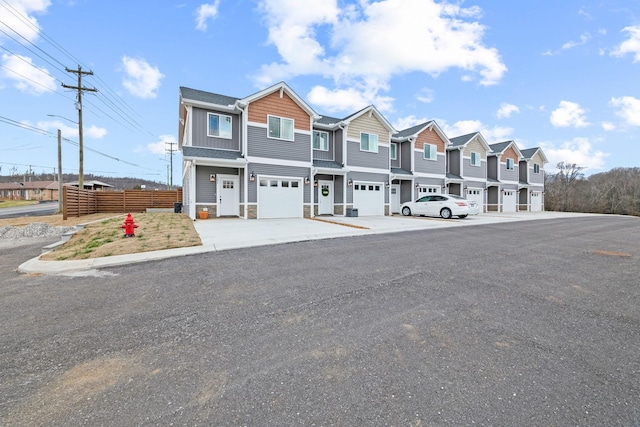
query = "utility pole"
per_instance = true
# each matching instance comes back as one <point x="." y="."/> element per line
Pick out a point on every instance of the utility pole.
<point x="59" y="170"/>
<point x="171" y="151"/>
<point x="80" y="89"/>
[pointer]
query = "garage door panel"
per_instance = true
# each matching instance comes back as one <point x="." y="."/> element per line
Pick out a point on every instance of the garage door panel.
<point x="280" y="198"/>
<point x="368" y="198"/>
<point x="509" y="201"/>
<point x="536" y="201"/>
<point x="476" y="195"/>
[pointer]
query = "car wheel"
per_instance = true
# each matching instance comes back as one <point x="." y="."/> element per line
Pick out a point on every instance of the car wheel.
<point x="462" y="216"/>
<point x="445" y="213"/>
<point x="406" y="211"/>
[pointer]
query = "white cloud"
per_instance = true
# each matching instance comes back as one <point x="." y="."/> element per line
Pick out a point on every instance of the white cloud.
<point x="425" y="95"/>
<point x="161" y="146"/>
<point x="629" y="109"/>
<point x="17" y="18"/>
<point x="204" y="13"/>
<point x="608" y="126"/>
<point x="26" y="76"/>
<point x="584" y="38"/>
<point x="350" y="100"/>
<point x="506" y="110"/>
<point x="372" y="41"/>
<point x="568" y="114"/>
<point x="464" y="127"/>
<point x="632" y="45"/>
<point x="406" y="122"/>
<point x="142" y="80"/>
<point x="94" y="132"/>
<point x="579" y="151"/>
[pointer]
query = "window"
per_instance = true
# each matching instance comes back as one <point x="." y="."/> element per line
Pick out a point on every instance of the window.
<point x="393" y="151"/>
<point x="219" y="125"/>
<point x="280" y="128"/>
<point x="536" y="168"/>
<point x="431" y="190"/>
<point x="320" y="140"/>
<point x="430" y="152"/>
<point x="510" y="164"/>
<point x="475" y="159"/>
<point x="369" y="142"/>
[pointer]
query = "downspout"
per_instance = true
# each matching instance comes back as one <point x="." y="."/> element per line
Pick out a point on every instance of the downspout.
<point x="342" y="127"/>
<point x="243" y="131"/>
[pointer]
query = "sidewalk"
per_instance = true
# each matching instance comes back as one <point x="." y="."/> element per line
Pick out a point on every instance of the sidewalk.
<point x="226" y="234"/>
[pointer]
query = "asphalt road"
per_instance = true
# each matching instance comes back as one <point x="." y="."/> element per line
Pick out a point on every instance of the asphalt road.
<point x="39" y="209"/>
<point x="531" y="323"/>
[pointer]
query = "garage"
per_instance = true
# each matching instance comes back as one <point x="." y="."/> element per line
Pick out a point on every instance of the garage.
<point x="509" y="201"/>
<point x="476" y="195"/>
<point x="368" y="198"/>
<point x="536" y="201"/>
<point x="280" y="198"/>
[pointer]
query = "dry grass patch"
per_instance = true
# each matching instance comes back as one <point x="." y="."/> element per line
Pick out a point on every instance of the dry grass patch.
<point x="56" y="220"/>
<point x="156" y="231"/>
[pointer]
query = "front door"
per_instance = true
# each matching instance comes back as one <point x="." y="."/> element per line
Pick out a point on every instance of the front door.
<point x="325" y="197"/>
<point x="394" y="198"/>
<point x="228" y="195"/>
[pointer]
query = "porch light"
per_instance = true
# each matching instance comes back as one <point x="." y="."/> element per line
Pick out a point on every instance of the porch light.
<point x="350" y="182"/>
<point x="387" y="185"/>
<point x="417" y="185"/>
<point x="306" y="180"/>
<point x="252" y="177"/>
<point x="212" y="177"/>
<point x="315" y="183"/>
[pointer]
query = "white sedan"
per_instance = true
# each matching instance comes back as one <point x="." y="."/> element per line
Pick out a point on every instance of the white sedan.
<point x="443" y="205"/>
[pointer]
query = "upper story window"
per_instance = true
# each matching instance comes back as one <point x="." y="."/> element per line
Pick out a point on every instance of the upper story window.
<point x="393" y="151"/>
<point x="510" y="164"/>
<point x="475" y="159"/>
<point x="430" y="152"/>
<point x="536" y="168"/>
<point x="219" y="125"/>
<point x="369" y="142"/>
<point x="320" y="140"/>
<point x="280" y="128"/>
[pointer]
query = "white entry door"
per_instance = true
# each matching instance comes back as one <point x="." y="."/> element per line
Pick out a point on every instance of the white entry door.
<point x="536" y="201"/>
<point x="509" y="201"/>
<point x="228" y="189"/>
<point x="325" y="197"/>
<point x="394" y="198"/>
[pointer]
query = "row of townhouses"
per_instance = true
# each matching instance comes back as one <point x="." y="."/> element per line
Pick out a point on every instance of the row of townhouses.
<point x="270" y="155"/>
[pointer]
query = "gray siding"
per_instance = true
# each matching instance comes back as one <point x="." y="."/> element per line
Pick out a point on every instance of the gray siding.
<point x="492" y="167"/>
<point x="261" y="146"/>
<point x="355" y="157"/>
<point x="430" y="166"/>
<point x="406" y="148"/>
<point x="200" y="127"/>
<point x="474" y="184"/>
<point x="337" y="148"/>
<point x="536" y="178"/>
<point x="396" y="163"/>
<point x="275" y="170"/>
<point x="205" y="189"/>
<point x="406" y="191"/>
<point x="474" y="171"/>
<point x="326" y="155"/>
<point x="454" y="161"/>
<point x="523" y="171"/>
<point x="507" y="175"/>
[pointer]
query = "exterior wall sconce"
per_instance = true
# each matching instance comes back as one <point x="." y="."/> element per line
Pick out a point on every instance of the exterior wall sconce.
<point x="350" y="183"/>
<point x="212" y="177"/>
<point x="417" y="185"/>
<point x="315" y="183"/>
<point x="387" y="185"/>
<point x="252" y="177"/>
<point x="306" y="180"/>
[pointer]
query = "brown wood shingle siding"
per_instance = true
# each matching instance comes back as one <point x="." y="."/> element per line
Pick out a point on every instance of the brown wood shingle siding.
<point x="273" y="105"/>
<point x="510" y="153"/>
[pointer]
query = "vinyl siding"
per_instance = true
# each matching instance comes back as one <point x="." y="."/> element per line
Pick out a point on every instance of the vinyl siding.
<point x="205" y="189"/>
<point x="279" y="171"/>
<point x="474" y="171"/>
<point x="200" y="128"/>
<point x="260" y="145"/>
<point x="492" y="167"/>
<point x="454" y="162"/>
<point x="337" y="141"/>
<point x="274" y="105"/>
<point x="355" y="157"/>
<point x="507" y="175"/>
<point x="423" y="165"/>
<point x="370" y="125"/>
<point x="429" y="136"/>
<point x="476" y="147"/>
<point x="536" y="178"/>
<point x="325" y="155"/>
<point x="406" y="150"/>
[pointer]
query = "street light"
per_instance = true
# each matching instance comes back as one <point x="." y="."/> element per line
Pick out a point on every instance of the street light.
<point x="60" y="162"/>
<point x="69" y="120"/>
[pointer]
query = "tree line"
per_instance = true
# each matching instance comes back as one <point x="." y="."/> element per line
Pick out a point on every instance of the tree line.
<point x="613" y="192"/>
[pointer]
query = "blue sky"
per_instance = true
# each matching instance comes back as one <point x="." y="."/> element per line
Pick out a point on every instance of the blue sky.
<point x="560" y="75"/>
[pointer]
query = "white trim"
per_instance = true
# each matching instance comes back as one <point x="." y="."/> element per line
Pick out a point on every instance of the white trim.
<point x="377" y="142"/>
<point x="266" y="126"/>
<point x="279" y="162"/>
<point x="327" y="139"/>
<point x="293" y="128"/>
<point x="219" y="181"/>
<point x="219" y="121"/>
<point x="429" y="175"/>
<point x="369" y="170"/>
<point x="396" y="145"/>
<point x="275" y="177"/>
<point x="429" y="158"/>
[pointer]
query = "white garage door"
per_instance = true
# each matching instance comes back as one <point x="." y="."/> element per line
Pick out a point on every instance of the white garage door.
<point x="509" y="201"/>
<point x="536" y="201"/>
<point x="368" y="198"/>
<point x="476" y="195"/>
<point x="280" y="198"/>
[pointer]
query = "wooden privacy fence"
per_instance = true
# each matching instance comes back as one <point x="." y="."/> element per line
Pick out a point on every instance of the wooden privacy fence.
<point x="77" y="202"/>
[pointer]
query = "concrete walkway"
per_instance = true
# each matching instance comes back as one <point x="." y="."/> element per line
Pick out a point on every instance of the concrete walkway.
<point x="225" y="234"/>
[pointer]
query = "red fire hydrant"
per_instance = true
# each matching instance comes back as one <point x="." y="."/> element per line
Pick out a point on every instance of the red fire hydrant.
<point x="128" y="225"/>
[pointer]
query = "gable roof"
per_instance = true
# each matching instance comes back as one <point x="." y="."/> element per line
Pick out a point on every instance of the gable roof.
<point x="500" y="147"/>
<point x="528" y="153"/>
<point x="187" y="94"/>
<point x="371" y="109"/>
<point x="463" y="140"/>
<point x="282" y="87"/>
<point x="414" y="131"/>
<point x="327" y="122"/>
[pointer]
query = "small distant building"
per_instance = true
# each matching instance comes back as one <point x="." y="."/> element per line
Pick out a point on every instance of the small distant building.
<point x="91" y="185"/>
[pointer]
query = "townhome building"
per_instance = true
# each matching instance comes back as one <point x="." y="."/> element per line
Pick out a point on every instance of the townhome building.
<point x="503" y="177"/>
<point x="531" y="194"/>
<point x="467" y="168"/>
<point x="418" y="163"/>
